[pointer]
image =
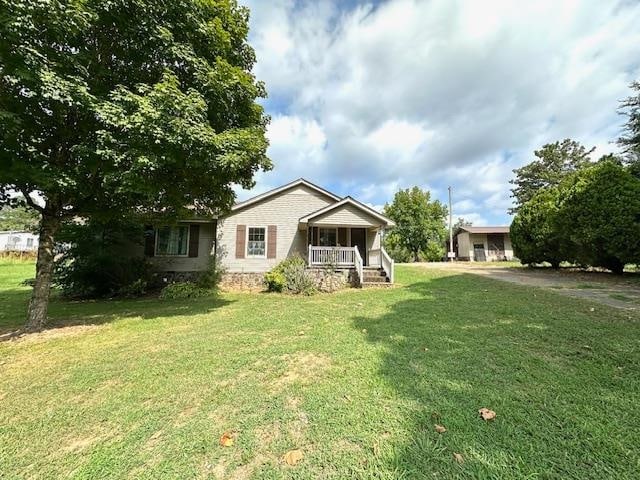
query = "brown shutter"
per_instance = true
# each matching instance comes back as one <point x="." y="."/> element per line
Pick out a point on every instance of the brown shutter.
<point x="272" y="241"/>
<point x="149" y="241"/>
<point x="194" y="240"/>
<point x="241" y="237"/>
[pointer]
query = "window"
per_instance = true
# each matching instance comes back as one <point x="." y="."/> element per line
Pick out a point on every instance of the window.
<point x="496" y="243"/>
<point x="172" y="241"/>
<point x="328" y="237"/>
<point x="256" y="245"/>
<point x="29" y="242"/>
<point x="13" y="242"/>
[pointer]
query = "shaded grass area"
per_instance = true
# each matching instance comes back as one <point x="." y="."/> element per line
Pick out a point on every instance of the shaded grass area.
<point x="357" y="380"/>
<point x="14" y="296"/>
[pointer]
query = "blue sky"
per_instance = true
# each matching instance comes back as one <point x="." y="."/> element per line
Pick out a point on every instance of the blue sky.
<point x="370" y="97"/>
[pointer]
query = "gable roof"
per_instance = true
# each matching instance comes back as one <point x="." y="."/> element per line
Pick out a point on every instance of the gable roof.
<point x="350" y="201"/>
<point x="499" y="229"/>
<point x="283" y="188"/>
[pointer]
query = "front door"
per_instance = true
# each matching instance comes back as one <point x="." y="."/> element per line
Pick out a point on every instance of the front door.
<point x="478" y="252"/>
<point x="359" y="239"/>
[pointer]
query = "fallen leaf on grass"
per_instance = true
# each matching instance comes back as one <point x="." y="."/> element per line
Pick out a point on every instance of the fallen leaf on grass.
<point x="487" y="414"/>
<point x="293" y="456"/>
<point x="458" y="458"/>
<point x="226" y="440"/>
<point x="440" y="428"/>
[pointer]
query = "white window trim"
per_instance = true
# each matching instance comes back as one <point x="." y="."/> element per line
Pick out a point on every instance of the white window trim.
<point x="266" y="241"/>
<point x="155" y="247"/>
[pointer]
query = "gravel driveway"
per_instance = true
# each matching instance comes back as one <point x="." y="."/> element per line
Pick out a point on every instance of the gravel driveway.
<point x="619" y="292"/>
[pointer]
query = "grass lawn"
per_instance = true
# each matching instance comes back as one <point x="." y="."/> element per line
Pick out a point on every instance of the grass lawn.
<point x="356" y="380"/>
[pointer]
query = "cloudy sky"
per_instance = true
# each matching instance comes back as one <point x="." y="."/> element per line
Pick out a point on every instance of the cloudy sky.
<point x="370" y="97"/>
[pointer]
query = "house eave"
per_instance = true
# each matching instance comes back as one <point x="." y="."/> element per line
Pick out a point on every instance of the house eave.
<point x="384" y="221"/>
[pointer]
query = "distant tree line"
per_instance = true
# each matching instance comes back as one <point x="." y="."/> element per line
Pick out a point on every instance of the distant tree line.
<point x="570" y="208"/>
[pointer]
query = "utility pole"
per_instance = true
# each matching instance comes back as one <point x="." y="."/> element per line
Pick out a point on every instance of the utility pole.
<point x="451" y="254"/>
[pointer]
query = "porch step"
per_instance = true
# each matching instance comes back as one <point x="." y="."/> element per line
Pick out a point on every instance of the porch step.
<point x="374" y="276"/>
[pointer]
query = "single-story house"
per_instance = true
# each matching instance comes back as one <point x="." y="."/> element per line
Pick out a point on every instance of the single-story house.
<point x="258" y="233"/>
<point x="18" y="241"/>
<point x="484" y="244"/>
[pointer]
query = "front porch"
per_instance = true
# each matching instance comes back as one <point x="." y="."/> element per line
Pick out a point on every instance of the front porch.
<point x="354" y="248"/>
<point x="348" y="235"/>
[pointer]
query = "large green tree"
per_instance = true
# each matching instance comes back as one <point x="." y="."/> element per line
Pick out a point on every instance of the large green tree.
<point x="419" y="220"/>
<point x="555" y="161"/>
<point x="118" y="105"/>
<point x="630" y="139"/>
<point x="534" y="231"/>
<point x="599" y="215"/>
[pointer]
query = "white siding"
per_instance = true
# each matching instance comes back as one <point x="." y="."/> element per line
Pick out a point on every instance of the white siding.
<point x="18" y="241"/>
<point x="465" y="249"/>
<point x="283" y="210"/>
<point x="508" y="248"/>
<point x="346" y="215"/>
<point x="482" y="238"/>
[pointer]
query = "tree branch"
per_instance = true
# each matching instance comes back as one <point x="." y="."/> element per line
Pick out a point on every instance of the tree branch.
<point x="30" y="202"/>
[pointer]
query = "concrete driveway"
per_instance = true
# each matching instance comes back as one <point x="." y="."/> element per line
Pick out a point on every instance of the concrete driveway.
<point x="619" y="292"/>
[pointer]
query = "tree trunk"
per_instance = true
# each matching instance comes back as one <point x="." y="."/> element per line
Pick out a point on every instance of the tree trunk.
<point x="39" y="303"/>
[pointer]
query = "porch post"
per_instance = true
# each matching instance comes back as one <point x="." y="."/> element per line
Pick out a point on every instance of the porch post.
<point x="310" y="242"/>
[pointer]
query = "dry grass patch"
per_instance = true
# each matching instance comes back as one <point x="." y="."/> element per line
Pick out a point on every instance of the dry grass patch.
<point x="303" y="368"/>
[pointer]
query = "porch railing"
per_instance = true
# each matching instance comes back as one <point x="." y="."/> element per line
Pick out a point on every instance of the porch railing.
<point x="359" y="264"/>
<point x="338" y="256"/>
<point x="380" y="257"/>
<point x="388" y="264"/>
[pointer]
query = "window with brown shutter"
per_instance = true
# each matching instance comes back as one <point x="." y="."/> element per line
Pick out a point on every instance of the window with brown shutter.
<point x="241" y="237"/>
<point x="272" y="242"/>
<point x="194" y="240"/>
<point x="149" y="241"/>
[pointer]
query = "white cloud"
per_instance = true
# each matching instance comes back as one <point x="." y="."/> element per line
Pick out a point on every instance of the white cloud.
<point x="438" y="93"/>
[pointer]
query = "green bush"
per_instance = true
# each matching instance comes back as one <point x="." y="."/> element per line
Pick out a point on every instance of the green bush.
<point x="592" y="218"/>
<point x="434" y="252"/>
<point x="298" y="280"/>
<point x="291" y="276"/>
<point x="210" y="278"/>
<point x="396" y="251"/>
<point x="96" y="260"/>
<point x="183" y="290"/>
<point x="274" y="281"/>
<point x="600" y="216"/>
<point x="535" y="233"/>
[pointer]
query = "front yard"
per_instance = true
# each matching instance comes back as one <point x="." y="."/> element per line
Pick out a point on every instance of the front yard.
<point x="355" y="380"/>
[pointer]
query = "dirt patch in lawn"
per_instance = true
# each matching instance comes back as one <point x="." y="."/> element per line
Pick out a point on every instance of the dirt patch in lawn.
<point x="621" y="292"/>
<point x="45" y="335"/>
